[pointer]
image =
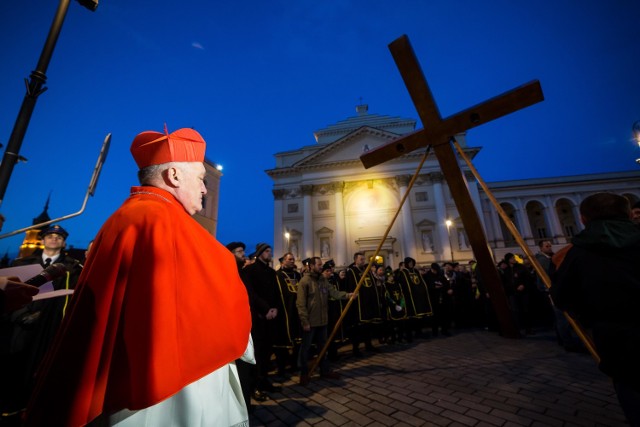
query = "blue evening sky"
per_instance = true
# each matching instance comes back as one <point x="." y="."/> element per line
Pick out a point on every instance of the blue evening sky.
<point x="258" y="77"/>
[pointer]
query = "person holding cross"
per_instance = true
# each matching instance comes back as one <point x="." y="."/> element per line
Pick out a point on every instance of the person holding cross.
<point x="312" y="303"/>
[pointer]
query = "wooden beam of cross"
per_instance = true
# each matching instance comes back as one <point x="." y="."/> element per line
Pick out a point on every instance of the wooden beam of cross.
<point x="438" y="133"/>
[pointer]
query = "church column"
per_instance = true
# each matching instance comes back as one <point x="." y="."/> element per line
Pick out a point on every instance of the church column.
<point x="472" y="184"/>
<point x="576" y="213"/>
<point x="525" y="225"/>
<point x="556" y="228"/>
<point x="497" y="229"/>
<point x="409" y="238"/>
<point x="307" y="238"/>
<point x="442" y="245"/>
<point x="340" y="254"/>
<point x="278" y="226"/>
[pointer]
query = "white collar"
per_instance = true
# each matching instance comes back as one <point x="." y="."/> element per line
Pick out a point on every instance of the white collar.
<point x="52" y="258"/>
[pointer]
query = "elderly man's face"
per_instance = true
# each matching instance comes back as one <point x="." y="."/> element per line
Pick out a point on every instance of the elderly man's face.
<point x="635" y="215"/>
<point x="192" y="188"/>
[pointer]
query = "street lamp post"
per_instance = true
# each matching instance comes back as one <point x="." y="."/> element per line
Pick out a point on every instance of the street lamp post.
<point x="449" y="224"/>
<point x="35" y="87"/>
<point x="635" y="128"/>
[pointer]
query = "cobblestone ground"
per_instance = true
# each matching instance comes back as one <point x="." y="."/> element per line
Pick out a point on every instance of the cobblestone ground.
<point x="474" y="378"/>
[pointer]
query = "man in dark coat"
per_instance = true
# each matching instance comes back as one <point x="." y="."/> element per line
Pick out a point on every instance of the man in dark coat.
<point x="598" y="281"/>
<point x="34" y="326"/>
<point x="287" y="336"/>
<point x="335" y="308"/>
<point x="261" y="278"/>
<point x="416" y="296"/>
<point x="542" y="309"/>
<point x="366" y="310"/>
<point x="247" y="372"/>
<point x="511" y="273"/>
<point x="441" y="293"/>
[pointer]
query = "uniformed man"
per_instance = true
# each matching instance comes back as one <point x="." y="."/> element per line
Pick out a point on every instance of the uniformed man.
<point x="287" y="335"/>
<point x="34" y="326"/>
<point x="416" y="295"/>
<point x="365" y="312"/>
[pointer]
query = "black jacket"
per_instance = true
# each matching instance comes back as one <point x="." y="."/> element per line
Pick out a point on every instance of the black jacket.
<point x="599" y="282"/>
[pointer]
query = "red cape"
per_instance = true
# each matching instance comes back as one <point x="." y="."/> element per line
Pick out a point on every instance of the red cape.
<point x="158" y="306"/>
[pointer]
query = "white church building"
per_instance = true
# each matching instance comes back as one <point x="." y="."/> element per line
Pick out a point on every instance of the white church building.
<point x="326" y="204"/>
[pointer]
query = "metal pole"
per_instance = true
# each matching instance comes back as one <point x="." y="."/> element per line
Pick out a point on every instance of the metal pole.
<point x="102" y="157"/>
<point x="448" y="223"/>
<point x="35" y="87"/>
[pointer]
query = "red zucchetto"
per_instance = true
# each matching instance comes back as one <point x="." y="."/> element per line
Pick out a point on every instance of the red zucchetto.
<point x="154" y="148"/>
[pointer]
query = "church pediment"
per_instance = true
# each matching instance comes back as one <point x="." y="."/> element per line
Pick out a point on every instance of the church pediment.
<point x="349" y="147"/>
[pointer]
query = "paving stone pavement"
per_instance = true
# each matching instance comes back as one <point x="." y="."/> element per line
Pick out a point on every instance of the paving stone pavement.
<point x="474" y="378"/>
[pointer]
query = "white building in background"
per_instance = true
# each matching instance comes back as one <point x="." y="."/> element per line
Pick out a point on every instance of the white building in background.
<point x="547" y="208"/>
<point x="326" y="204"/>
<point x="208" y="216"/>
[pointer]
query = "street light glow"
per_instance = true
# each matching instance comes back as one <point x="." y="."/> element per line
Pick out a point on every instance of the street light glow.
<point x="449" y="223"/>
<point x="635" y="128"/>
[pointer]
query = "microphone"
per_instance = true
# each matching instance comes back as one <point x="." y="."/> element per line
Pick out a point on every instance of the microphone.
<point x="48" y="274"/>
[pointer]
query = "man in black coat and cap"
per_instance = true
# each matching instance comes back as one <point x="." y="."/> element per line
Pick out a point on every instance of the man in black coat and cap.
<point x="261" y="278"/>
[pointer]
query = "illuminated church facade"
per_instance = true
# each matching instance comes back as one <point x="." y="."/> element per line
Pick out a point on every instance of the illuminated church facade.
<point x="326" y="204"/>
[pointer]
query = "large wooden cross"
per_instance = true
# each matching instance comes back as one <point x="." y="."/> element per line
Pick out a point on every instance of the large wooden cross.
<point x="438" y="133"/>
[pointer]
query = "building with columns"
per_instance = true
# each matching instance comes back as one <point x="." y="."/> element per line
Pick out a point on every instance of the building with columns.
<point x="327" y="204"/>
<point x="548" y="208"/>
<point x="208" y="216"/>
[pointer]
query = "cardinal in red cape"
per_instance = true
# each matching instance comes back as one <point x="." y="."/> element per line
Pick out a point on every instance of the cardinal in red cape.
<point x="159" y="313"/>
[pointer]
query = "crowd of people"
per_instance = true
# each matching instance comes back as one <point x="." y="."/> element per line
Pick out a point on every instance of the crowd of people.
<point x="293" y="307"/>
<point x="394" y="307"/>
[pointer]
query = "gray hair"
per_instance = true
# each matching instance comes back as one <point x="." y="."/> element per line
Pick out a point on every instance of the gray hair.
<point x="147" y="175"/>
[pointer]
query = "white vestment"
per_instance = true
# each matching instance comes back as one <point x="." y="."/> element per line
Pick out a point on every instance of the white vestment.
<point x="214" y="400"/>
